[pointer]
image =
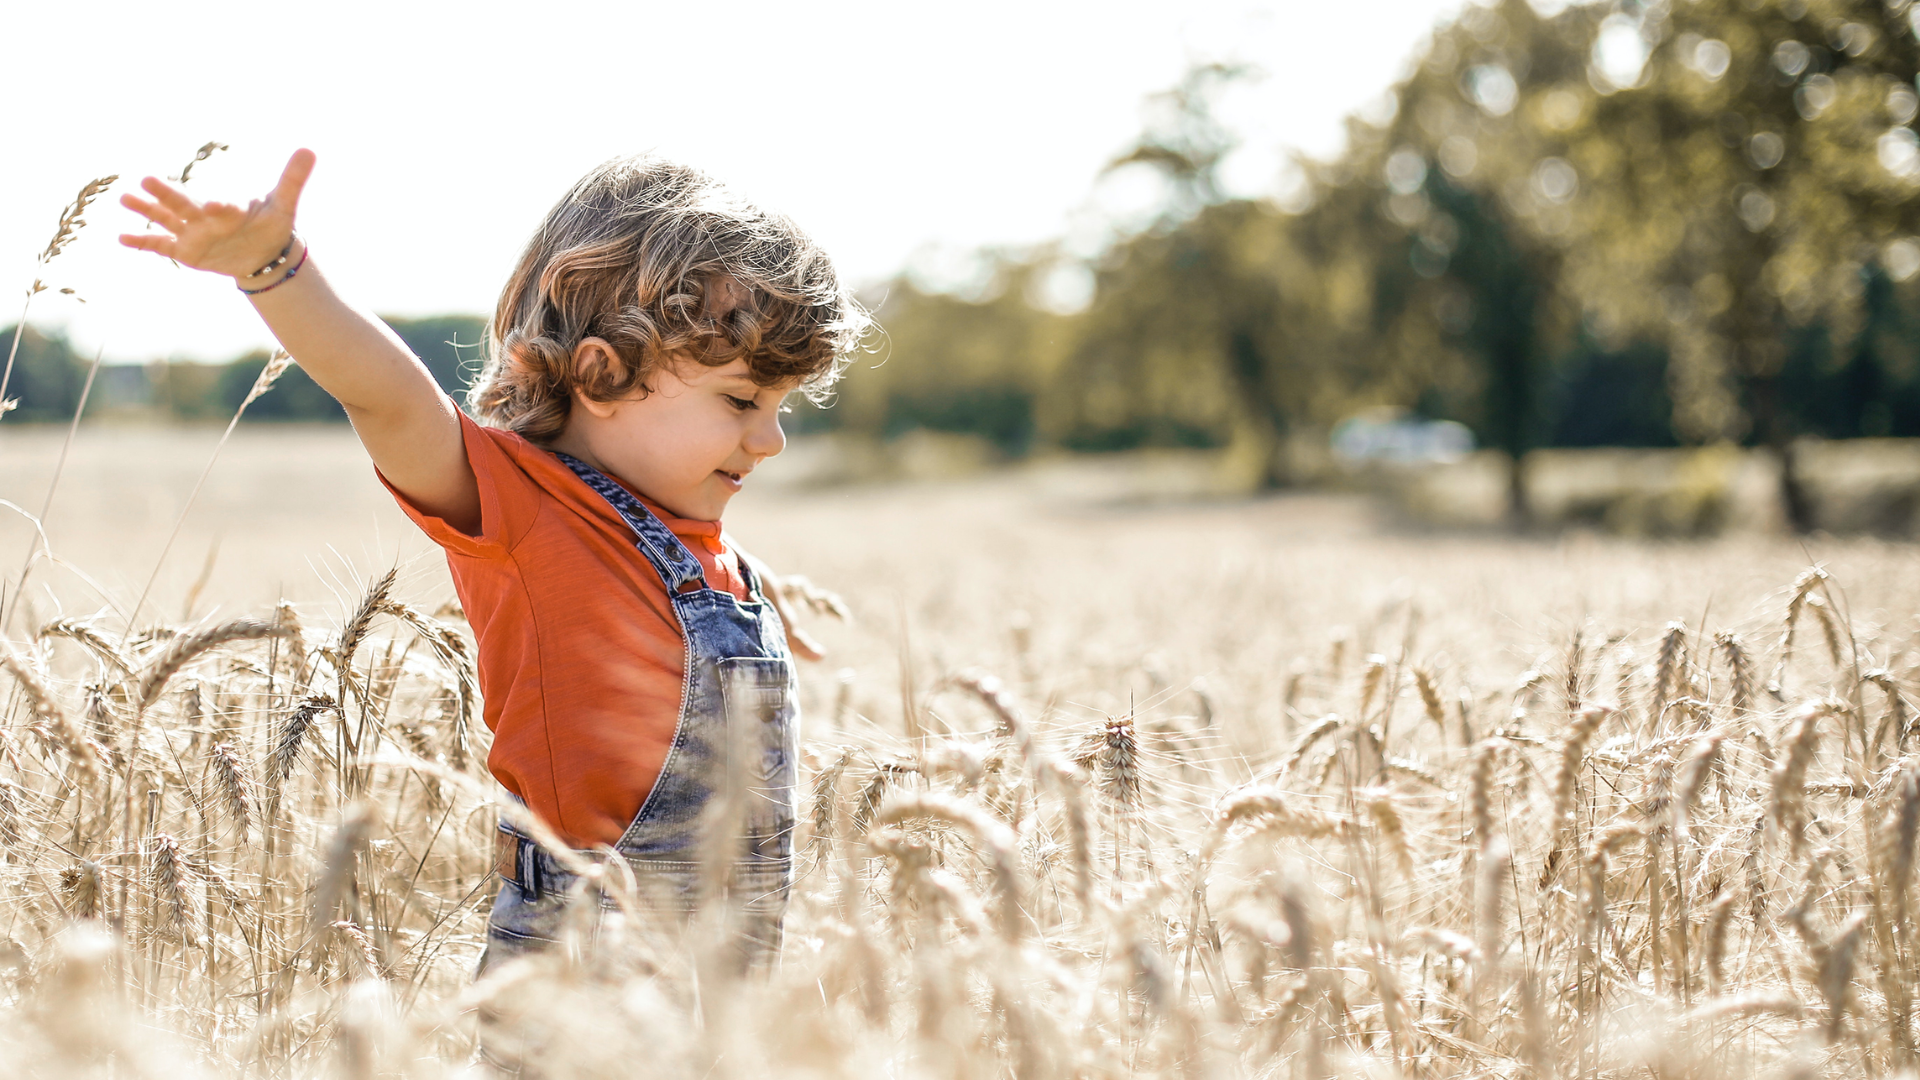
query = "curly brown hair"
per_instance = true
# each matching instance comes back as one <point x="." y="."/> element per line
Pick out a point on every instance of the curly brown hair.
<point x="660" y="261"/>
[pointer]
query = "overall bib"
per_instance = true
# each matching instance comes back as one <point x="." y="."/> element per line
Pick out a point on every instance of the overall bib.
<point x="737" y="726"/>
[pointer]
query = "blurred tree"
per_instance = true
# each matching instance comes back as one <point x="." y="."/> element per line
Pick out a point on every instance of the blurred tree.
<point x="1224" y="321"/>
<point x="1596" y="396"/>
<point x="971" y="364"/>
<point x="1463" y="274"/>
<point x="1875" y="391"/>
<point x="1723" y="176"/>
<point x="295" y="396"/>
<point x="47" y="376"/>
<point x="1183" y="343"/>
<point x="1184" y="141"/>
<point x="189" y="391"/>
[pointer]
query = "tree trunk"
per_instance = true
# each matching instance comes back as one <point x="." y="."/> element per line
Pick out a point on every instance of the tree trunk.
<point x="1796" y="505"/>
<point x="1795" y="502"/>
<point x="1519" y="506"/>
<point x="1253" y="375"/>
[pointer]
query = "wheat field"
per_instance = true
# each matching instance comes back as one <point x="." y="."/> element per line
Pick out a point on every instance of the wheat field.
<point x="1094" y="786"/>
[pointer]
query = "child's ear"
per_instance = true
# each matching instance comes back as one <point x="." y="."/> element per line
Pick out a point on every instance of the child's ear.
<point x="723" y="295"/>
<point x="593" y="360"/>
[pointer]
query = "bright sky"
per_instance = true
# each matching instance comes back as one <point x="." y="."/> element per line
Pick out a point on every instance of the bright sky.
<point x="891" y="131"/>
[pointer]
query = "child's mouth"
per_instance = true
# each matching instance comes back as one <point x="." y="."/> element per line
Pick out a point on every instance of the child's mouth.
<point x="733" y="479"/>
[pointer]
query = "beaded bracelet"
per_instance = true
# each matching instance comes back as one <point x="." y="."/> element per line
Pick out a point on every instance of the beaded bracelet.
<point x="278" y="262"/>
<point x="305" y="250"/>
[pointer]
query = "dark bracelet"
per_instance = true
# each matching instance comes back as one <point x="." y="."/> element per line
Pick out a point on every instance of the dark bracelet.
<point x="277" y="263"/>
<point x="305" y="250"/>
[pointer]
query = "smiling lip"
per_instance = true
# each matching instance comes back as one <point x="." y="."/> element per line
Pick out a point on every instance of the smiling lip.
<point x="733" y="479"/>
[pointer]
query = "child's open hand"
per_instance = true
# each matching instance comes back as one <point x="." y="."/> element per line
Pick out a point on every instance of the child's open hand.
<point x="220" y="237"/>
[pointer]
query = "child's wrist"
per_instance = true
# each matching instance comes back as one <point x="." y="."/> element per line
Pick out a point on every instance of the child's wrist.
<point x="277" y="272"/>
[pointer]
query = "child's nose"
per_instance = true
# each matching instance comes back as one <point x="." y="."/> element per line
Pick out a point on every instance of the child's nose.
<point x="765" y="438"/>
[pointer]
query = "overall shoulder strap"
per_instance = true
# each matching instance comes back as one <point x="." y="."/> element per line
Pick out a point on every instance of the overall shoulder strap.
<point x="669" y="556"/>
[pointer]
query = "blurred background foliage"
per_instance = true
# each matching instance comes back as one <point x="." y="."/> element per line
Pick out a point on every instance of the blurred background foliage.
<point x="1616" y="224"/>
<point x="48" y="378"/>
<point x="1613" y="224"/>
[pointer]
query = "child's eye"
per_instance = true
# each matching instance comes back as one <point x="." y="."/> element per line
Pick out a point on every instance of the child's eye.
<point x="743" y="404"/>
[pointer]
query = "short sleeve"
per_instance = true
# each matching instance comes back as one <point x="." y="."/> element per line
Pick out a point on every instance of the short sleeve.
<point x="509" y="499"/>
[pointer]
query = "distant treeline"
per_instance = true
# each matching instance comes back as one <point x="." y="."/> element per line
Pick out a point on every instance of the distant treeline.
<point x="1001" y="368"/>
<point x="48" y="377"/>
<point x="1617" y="224"/>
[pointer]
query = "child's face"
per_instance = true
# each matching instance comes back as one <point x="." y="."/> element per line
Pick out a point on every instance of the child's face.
<point x="690" y="443"/>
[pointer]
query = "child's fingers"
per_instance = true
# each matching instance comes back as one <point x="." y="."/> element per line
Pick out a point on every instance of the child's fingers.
<point x="159" y="245"/>
<point x="803" y="645"/>
<point x="293" y="179"/>
<point x="169" y="197"/>
<point x="151" y="212"/>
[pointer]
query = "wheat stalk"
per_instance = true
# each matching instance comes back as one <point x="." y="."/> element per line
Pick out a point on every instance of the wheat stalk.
<point x="268" y="375"/>
<point x="826" y="801"/>
<point x="1480" y="791"/>
<point x="1276" y="810"/>
<point x="72" y="220"/>
<point x="1111" y="754"/>
<point x="1895" y="719"/>
<point x="206" y="151"/>
<point x="291" y="740"/>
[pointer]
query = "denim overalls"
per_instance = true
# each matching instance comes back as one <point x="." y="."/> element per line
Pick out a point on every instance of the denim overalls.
<point x="737" y="666"/>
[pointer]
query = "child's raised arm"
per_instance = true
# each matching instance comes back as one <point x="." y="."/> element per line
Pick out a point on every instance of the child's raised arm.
<point x="410" y="429"/>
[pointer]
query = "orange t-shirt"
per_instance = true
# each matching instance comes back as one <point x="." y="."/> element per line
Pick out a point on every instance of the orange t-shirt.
<point x="582" y="661"/>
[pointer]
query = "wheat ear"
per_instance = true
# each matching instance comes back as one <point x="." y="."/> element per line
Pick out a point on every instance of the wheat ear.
<point x="184" y="649"/>
<point x="1739" y="672"/>
<point x="1787" y="801"/>
<point x="49" y="719"/>
<point x="1573" y="754"/>
<point x="169" y="874"/>
<point x="1423" y="681"/>
<point x="991" y="836"/>
<point x="1667" y="671"/>
<point x="81" y="885"/>
<point x="231" y="782"/>
<point x="1325" y="726"/>
<point x="1276" y="811"/>
<point x="95" y="642"/>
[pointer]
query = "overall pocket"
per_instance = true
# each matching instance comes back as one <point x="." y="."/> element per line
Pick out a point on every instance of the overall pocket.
<point x="757" y="695"/>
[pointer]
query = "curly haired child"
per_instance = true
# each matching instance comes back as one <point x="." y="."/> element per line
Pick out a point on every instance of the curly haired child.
<point x="630" y="658"/>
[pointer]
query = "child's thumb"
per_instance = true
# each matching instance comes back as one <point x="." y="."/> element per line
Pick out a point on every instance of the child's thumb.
<point x="293" y="179"/>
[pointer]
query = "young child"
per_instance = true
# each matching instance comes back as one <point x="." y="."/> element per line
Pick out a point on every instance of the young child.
<point x="638" y="361"/>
